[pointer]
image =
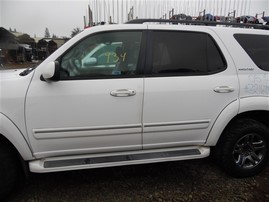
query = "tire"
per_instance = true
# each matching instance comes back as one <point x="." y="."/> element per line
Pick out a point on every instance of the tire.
<point x="243" y="148"/>
<point x="9" y="171"/>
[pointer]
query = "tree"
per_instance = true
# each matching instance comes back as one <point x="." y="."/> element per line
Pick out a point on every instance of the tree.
<point x="47" y="33"/>
<point x="75" y="31"/>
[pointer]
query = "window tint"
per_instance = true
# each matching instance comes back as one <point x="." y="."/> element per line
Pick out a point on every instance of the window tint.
<point x="185" y="53"/>
<point x="257" y="47"/>
<point x="108" y="55"/>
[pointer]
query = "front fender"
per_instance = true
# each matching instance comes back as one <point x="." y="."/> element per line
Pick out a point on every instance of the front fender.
<point x="9" y="130"/>
<point x="222" y="121"/>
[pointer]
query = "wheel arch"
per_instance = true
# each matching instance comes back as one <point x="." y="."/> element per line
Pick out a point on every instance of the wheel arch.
<point x="11" y="136"/>
<point x="239" y="110"/>
<point x="221" y="122"/>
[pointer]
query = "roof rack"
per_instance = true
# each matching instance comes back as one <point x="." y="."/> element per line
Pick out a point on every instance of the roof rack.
<point x="197" y="22"/>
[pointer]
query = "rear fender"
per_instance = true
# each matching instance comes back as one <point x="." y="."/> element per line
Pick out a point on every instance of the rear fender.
<point x="246" y="104"/>
<point x="222" y="121"/>
<point x="254" y="104"/>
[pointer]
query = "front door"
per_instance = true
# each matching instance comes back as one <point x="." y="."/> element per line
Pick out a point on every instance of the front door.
<point x="97" y="104"/>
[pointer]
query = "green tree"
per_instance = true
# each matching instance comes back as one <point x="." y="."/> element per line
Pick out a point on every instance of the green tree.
<point x="47" y="33"/>
<point x="75" y="31"/>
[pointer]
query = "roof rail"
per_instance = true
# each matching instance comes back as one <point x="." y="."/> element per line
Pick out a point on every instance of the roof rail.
<point x="198" y="22"/>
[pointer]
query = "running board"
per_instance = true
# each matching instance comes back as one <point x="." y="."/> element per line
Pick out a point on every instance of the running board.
<point x="55" y="164"/>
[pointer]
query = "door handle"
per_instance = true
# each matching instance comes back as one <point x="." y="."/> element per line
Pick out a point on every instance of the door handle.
<point x="123" y="93"/>
<point x="224" y="89"/>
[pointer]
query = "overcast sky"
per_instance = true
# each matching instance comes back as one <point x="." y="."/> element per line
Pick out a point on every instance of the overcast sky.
<point x="62" y="16"/>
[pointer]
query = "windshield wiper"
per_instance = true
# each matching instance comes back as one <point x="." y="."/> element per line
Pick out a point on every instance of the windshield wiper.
<point x="27" y="71"/>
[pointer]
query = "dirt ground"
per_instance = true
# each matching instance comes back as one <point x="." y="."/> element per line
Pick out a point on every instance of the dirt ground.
<point x="195" y="180"/>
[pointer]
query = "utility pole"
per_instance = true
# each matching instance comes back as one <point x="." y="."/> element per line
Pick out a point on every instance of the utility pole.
<point x="84" y="17"/>
<point x="90" y="16"/>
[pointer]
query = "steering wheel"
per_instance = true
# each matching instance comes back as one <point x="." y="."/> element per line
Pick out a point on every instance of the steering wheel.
<point x="73" y="67"/>
<point x="75" y="63"/>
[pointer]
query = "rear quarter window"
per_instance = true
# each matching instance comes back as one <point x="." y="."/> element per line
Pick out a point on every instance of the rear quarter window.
<point x="257" y="47"/>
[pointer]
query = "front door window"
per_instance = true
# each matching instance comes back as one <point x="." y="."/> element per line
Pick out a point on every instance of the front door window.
<point x="110" y="54"/>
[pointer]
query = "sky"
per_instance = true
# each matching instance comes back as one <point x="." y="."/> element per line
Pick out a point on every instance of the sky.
<point x="62" y="16"/>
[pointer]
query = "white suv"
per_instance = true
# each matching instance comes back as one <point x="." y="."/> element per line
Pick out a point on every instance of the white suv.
<point x="157" y="93"/>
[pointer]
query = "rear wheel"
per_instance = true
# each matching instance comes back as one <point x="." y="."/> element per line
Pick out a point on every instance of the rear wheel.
<point x="9" y="170"/>
<point x="243" y="148"/>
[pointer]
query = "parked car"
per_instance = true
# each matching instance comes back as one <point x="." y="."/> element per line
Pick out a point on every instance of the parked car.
<point x="264" y="20"/>
<point x="139" y="93"/>
<point x="247" y="19"/>
<point x="181" y="17"/>
<point x="230" y="19"/>
<point x="207" y="17"/>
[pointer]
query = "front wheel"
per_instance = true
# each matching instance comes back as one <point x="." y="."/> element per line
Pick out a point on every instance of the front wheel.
<point x="243" y="148"/>
<point x="9" y="170"/>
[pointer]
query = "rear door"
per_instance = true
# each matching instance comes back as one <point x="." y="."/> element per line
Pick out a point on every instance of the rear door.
<point x="190" y="80"/>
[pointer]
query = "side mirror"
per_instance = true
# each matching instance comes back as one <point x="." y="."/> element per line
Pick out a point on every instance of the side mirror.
<point x="51" y="72"/>
<point x="90" y="61"/>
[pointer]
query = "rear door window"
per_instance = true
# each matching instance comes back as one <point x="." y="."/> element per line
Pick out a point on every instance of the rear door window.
<point x="257" y="47"/>
<point x="185" y="53"/>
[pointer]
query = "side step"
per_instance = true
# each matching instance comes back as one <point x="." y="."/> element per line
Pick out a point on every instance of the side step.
<point x="55" y="164"/>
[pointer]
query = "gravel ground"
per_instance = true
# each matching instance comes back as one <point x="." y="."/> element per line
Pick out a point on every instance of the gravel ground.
<point x="195" y="180"/>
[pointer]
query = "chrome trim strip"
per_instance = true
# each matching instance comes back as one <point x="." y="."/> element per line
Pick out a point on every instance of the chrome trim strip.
<point x="56" y="133"/>
<point x="80" y="129"/>
<point x="175" y="126"/>
<point x="147" y="125"/>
